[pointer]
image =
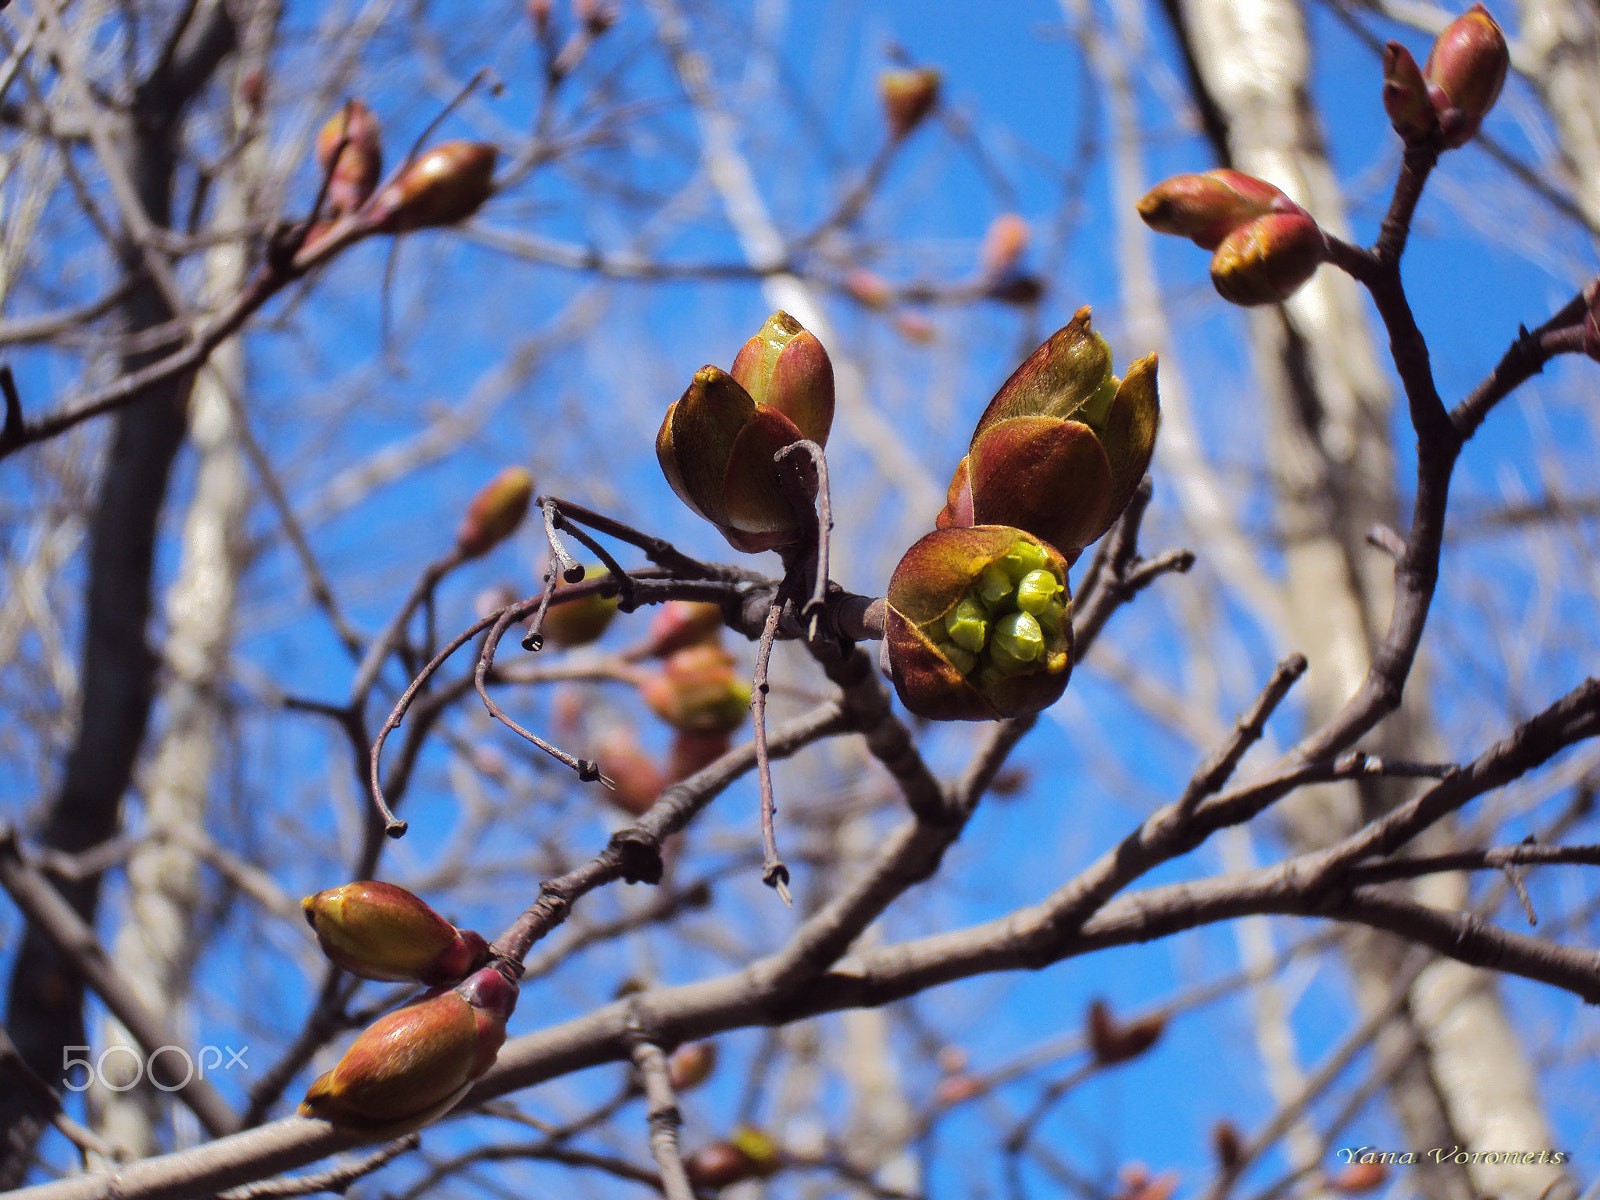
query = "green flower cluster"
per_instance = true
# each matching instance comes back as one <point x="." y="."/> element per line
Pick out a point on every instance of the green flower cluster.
<point x="1005" y="624"/>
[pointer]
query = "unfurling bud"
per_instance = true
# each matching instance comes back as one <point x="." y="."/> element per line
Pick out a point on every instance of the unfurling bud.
<point x="1113" y="1041"/>
<point x="718" y="444"/>
<point x="1465" y="70"/>
<point x="747" y="1154"/>
<point x="1063" y="444"/>
<point x="578" y="622"/>
<point x="784" y="367"/>
<point x="495" y="512"/>
<point x="1268" y="260"/>
<point x="684" y="623"/>
<point x="977" y="626"/>
<point x="413" y="1065"/>
<point x="691" y="1064"/>
<point x="444" y="187"/>
<point x="908" y="95"/>
<point x="379" y="931"/>
<point x="1207" y="208"/>
<point x="360" y="162"/>
<point x="1405" y="96"/>
<point x="699" y="689"/>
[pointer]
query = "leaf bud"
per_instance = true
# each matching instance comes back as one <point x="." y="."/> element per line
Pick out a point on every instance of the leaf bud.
<point x="1113" y="1041"/>
<point x="699" y="689"/>
<point x="637" y="778"/>
<point x="355" y="175"/>
<point x="682" y="623"/>
<point x="1405" y="96"/>
<point x="1004" y="244"/>
<point x="1359" y="1177"/>
<point x="495" y="512"/>
<point x="1207" y="208"/>
<point x="1465" y="71"/>
<point x="380" y="931"/>
<point x="1268" y="260"/>
<point x="578" y="622"/>
<point x="908" y="95"/>
<point x="785" y="367"/>
<point x="413" y="1065"/>
<point x="693" y="751"/>
<point x="746" y="1154"/>
<point x="691" y="1064"/>
<point x="445" y="186"/>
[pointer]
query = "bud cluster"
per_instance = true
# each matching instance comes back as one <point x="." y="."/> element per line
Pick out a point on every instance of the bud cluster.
<point x="1265" y="247"/>
<point x="1449" y="96"/>
<point x="977" y="625"/>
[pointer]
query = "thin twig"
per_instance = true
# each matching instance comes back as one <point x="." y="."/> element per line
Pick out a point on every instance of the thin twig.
<point x="1215" y="771"/>
<point x="773" y="872"/>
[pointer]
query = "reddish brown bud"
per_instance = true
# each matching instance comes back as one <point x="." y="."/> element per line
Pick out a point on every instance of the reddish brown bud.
<point x="1113" y="1041"/>
<point x="699" y="689"/>
<point x="1207" y="208"/>
<point x="1228" y="1142"/>
<point x="868" y="287"/>
<point x="495" y="512"/>
<point x="915" y="326"/>
<point x="444" y="187"/>
<point x="1268" y="260"/>
<point x="360" y="162"/>
<point x="596" y="16"/>
<point x="691" y="1064"/>
<point x="784" y="367"/>
<point x="1465" y="70"/>
<point x="717" y="448"/>
<point x="379" y="931"/>
<point x="413" y="1065"/>
<point x="683" y="623"/>
<point x="746" y="1154"/>
<point x="957" y="1089"/>
<point x="637" y="778"/>
<point x="1405" y="96"/>
<point x="908" y="95"/>
<point x="1139" y="1184"/>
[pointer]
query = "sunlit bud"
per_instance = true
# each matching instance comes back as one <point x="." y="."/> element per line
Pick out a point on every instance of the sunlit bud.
<point x="1268" y="260"/>
<point x="681" y="623"/>
<point x="1405" y="95"/>
<point x="1207" y="208"/>
<point x="954" y="655"/>
<point x="699" y="689"/>
<point x="1004" y="244"/>
<point x="443" y="187"/>
<point x="1465" y="70"/>
<point x="636" y="778"/>
<point x="380" y="931"/>
<point x="691" y="1064"/>
<point x="413" y="1065"/>
<point x="1063" y="444"/>
<point x="868" y="287"/>
<point x="495" y="512"/>
<point x="1228" y="1142"/>
<point x="692" y="751"/>
<point x="1113" y="1041"/>
<point x="1359" y="1177"/>
<point x="578" y="622"/>
<point x="908" y="95"/>
<point x="784" y="367"/>
<point x="717" y="448"/>
<point x="360" y="163"/>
